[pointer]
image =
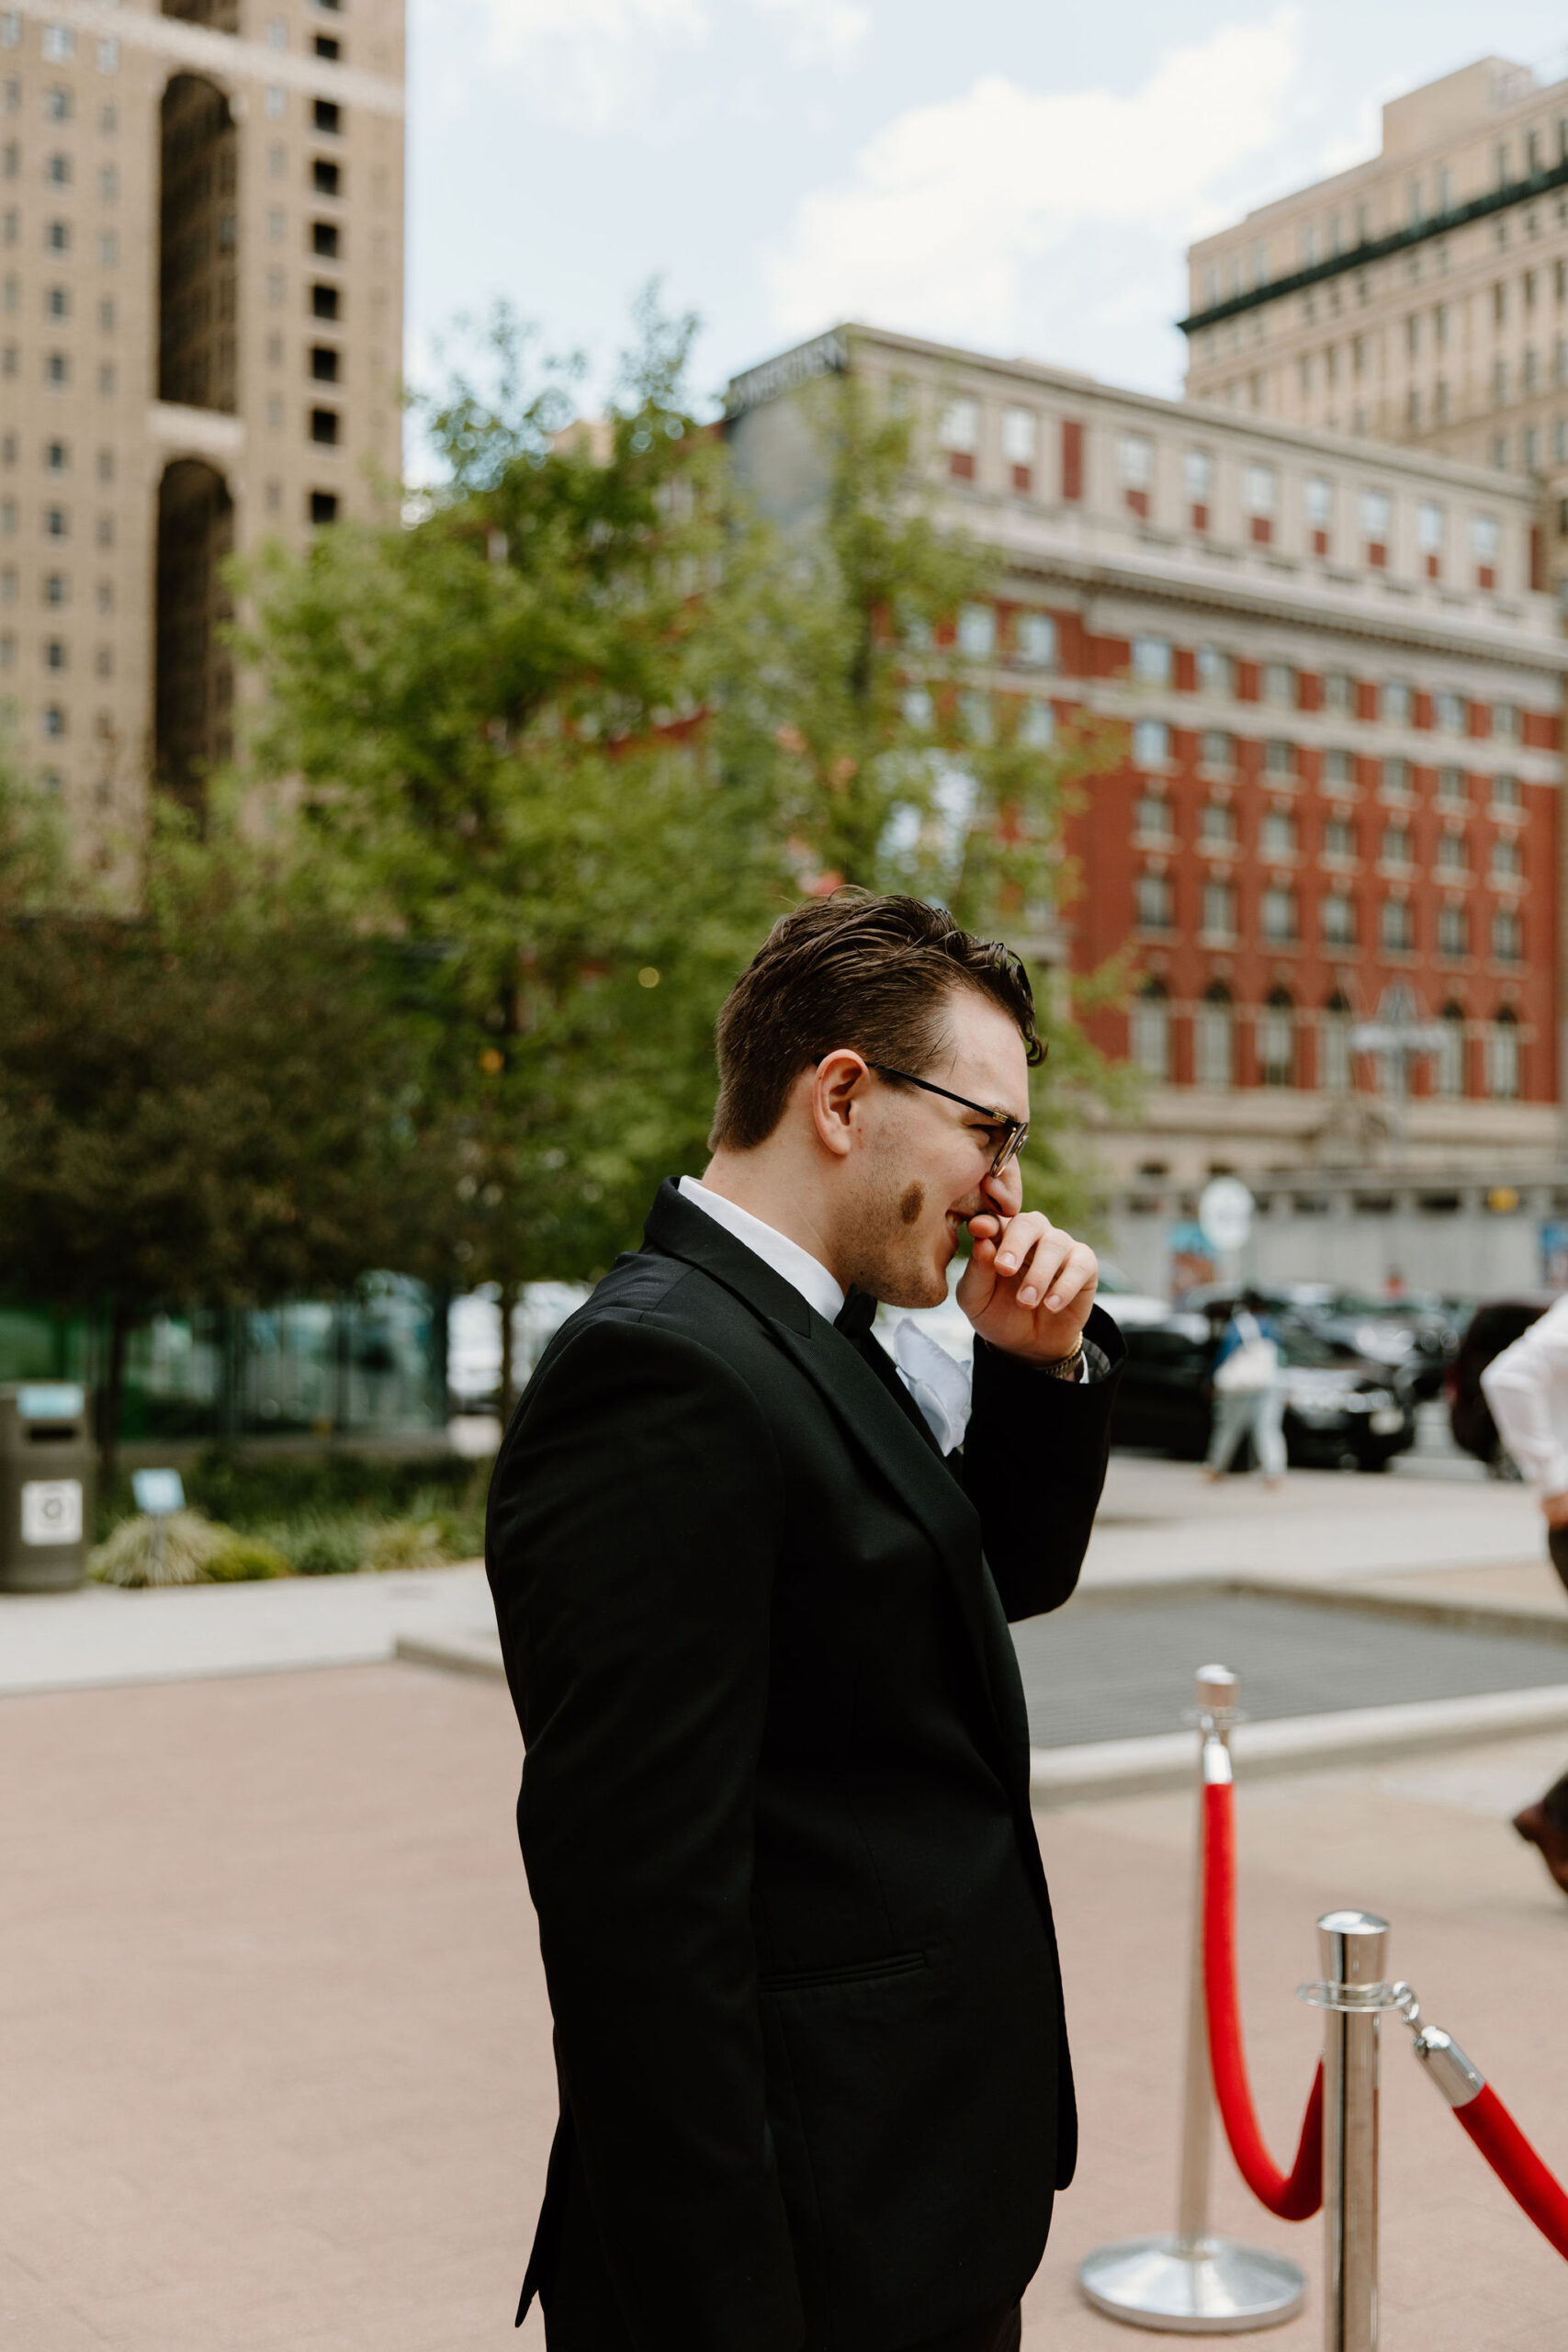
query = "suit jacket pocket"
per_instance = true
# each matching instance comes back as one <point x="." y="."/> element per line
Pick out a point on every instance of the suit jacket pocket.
<point x="853" y="1972"/>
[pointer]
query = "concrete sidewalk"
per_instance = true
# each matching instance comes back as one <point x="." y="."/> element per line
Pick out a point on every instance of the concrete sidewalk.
<point x="278" y="2073"/>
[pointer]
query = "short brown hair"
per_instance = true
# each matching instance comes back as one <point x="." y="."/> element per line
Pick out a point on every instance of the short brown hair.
<point x="855" y="969"/>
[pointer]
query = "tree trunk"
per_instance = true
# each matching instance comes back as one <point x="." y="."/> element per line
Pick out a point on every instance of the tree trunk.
<point x="112" y="1398"/>
<point x="508" y="1378"/>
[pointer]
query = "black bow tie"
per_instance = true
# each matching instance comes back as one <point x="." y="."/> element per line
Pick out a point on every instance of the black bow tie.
<point x="855" y="1318"/>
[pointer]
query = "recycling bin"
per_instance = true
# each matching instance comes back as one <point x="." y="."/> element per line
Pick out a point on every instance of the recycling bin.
<point x="46" y="1486"/>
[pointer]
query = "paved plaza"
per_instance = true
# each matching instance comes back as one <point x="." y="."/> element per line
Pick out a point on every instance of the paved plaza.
<point x="276" y="2053"/>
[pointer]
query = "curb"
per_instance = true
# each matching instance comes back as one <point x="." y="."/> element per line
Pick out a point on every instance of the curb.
<point x="1117" y="1768"/>
<point x="454" y="1653"/>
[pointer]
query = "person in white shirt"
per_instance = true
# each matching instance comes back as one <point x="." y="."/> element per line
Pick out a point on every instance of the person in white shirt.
<point x="1525" y="1388"/>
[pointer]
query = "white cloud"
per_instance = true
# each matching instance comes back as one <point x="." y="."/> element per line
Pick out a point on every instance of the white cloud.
<point x="586" y="59"/>
<point x="590" y="63"/>
<point x="949" y="209"/>
<point x="822" y="32"/>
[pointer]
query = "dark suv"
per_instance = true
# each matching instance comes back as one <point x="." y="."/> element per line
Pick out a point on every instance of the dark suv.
<point x="1342" y="1411"/>
<point x="1493" y="1326"/>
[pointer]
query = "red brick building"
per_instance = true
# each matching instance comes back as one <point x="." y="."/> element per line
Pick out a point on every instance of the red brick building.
<point x="1342" y="695"/>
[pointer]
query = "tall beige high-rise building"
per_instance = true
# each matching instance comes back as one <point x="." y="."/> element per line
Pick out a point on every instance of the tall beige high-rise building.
<point x="1420" y="297"/>
<point x="200" y="341"/>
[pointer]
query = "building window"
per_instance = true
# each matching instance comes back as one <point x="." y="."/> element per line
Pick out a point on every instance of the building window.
<point x="958" y="433"/>
<point x="1508" y="937"/>
<point x="1448" y="1063"/>
<point x="1339" y="694"/>
<point x="1151" y="1030"/>
<point x="1198" y="472"/>
<point x="919" y="711"/>
<point x="1507" y="861"/>
<point x="327" y="115"/>
<point x="1136" y="463"/>
<point x="1151" y="742"/>
<point x="326" y="178"/>
<point x="1485" y="537"/>
<point x="1034" y="640"/>
<point x="977" y="718"/>
<point x="1396" y="926"/>
<point x="1333" y="1045"/>
<point x="1152" y="662"/>
<point x="1502" y="1057"/>
<point x="1156" y="902"/>
<point x="1506" y="792"/>
<point x="1451" y="712"/>
<point x="1021" y="433"/>
<point x="1219" y="910"/>
<point x="1259" y="490"/>
<point x="1397" y="776"/>
<point x="53" y="719"/>
<point x="1453" y="788"/>
<point x="1217" y="672"/>
<point x="324" y="426"/>
<point x="1453" y="854"/>
<point x="1151" y="817"/>
<point x="1396" y="845"/>
<point x="977" y="629"/>
<point x="1278" y="759"/>
<point x="1279" y="684"/>
<point x="1278" y="836"/>
<point x="1453" y="932"/>
<point x="1036" y="725"/>
<point x="326" y="240"/>
<point x="1339" y="770"/>
<point x="1280" y="921"/>
<point x="1218" y="749"/>
<point x="1377" y="524"/>
<point x="323" y="506"/>
<point x="1277" y="1040"/>
<point x="1338" y="920"/>
<point x="1215" y="1038"/>
<point x="57" y="171"/>
<point x="56" y="523"/>
<point x="1319" y="512"/>
<point x="1506" y="724"/>
<point x="1429" y="526"/>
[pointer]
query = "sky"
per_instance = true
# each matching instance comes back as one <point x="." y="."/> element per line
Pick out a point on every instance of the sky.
<point x="1018" y="176"/>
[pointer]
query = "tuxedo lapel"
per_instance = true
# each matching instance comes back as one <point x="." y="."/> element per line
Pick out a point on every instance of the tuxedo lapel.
<point x="869" y="1415"/>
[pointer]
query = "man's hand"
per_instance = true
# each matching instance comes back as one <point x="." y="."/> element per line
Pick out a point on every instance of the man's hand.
<point x="1554" y="1505"/>
<point x="1028" y="1288"/>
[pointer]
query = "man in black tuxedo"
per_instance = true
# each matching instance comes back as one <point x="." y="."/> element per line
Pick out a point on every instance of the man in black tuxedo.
<point x="753" y="1596"/>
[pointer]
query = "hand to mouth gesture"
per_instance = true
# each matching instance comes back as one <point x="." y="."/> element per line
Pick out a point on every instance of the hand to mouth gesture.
<point x="1028" y="1287"/>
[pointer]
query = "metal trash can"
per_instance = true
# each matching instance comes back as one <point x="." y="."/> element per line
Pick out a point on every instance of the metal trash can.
<point x="47" y="1459"/>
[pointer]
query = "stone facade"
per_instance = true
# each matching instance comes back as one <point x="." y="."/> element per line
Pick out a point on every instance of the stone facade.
<point x="200" y="344"/>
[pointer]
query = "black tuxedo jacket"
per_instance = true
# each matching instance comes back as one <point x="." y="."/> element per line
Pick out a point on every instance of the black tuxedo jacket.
<point x="814" y="2077"/>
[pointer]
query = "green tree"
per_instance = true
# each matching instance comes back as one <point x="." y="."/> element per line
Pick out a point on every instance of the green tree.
<point x="495" y="717"/>
<point x="206" y="1101"/>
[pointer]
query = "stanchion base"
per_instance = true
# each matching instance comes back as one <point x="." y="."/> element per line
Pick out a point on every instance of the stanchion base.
<point x="1212" y="2287"/>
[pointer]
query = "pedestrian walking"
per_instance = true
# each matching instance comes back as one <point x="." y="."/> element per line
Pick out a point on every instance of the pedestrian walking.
<point x="1249" y="1399"/>
<point x="1525" y="1388"/>
<point x="753" y="1590"/>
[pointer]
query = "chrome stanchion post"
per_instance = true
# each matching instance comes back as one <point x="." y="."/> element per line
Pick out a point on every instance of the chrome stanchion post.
<point x="1193" y="2283"/>
<point x="1352" y="1952"/>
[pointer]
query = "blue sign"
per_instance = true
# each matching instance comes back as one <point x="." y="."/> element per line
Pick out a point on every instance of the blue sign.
<point x="158" y="1492"/>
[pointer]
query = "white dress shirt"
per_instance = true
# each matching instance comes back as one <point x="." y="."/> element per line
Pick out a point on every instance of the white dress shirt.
<point x="939" y="1385"/>
<point x="1526" y="1388"/>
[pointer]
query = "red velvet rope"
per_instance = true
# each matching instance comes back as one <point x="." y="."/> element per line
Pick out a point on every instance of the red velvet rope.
<point x="1299" y="2195"/>
<point x="1517" y="2165"/>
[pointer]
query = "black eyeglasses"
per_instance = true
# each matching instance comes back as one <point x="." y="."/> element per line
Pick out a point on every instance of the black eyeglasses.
<point x="1015" y="1132"/>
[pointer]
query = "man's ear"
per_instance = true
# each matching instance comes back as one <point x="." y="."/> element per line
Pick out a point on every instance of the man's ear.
<point x="837" y="1084"/>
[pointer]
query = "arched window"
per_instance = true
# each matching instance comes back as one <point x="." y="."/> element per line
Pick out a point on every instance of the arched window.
<point x="1277" y="1039"/>
<point x="1334" y="1045"/>
<point x="1502" y="1057"/>
<point x="1447" y="1064"/>
<point x="1151" y="1028"/>
<point x="1214" y="1038"/>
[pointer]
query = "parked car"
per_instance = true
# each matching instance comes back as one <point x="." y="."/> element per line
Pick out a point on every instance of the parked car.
<point x="1342" y="1410"/>
<point x="1496" y="1325"/>
<point x="1414" y="1337"/>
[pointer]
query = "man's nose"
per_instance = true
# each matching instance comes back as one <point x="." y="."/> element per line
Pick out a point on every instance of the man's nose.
<point x="1004" y="1191"/>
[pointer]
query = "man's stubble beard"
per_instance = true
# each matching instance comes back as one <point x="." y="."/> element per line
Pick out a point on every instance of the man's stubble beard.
<point x="887" y="1250"/>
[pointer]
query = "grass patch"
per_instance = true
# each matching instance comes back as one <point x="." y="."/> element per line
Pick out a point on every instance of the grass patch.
<point x="329" y="1514"/>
